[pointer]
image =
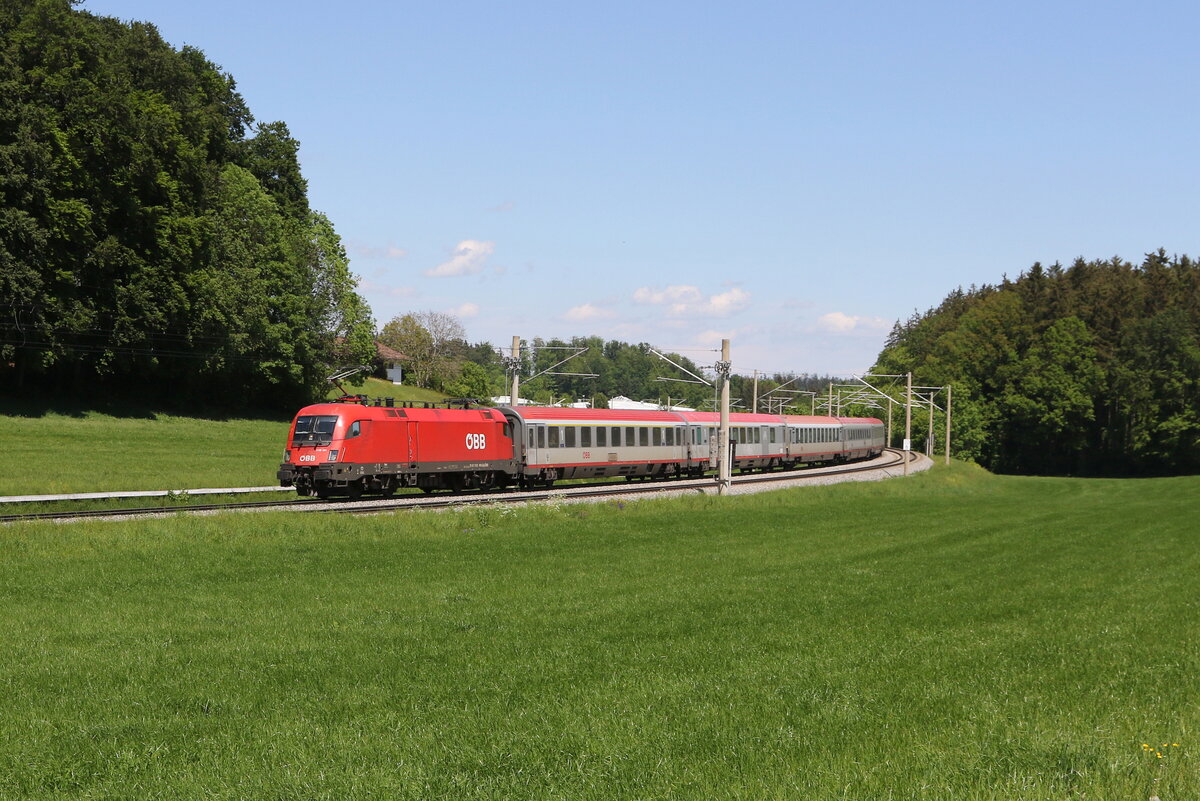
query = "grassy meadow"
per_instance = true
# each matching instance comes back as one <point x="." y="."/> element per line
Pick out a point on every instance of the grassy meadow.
<point x="954" y="635"/>
<point x="94" y="452"/>
<point x="380" y="388"/>
<point x="51" y="452"/>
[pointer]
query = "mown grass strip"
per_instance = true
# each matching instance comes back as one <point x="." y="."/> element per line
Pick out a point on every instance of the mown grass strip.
<point x="953" y="635"/>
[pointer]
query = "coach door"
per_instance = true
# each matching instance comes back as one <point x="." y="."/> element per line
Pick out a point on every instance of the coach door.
<point x="535" y="441"/>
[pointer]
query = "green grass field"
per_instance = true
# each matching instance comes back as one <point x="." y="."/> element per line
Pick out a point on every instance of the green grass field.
<point x="950" y="636"/>
<point x="379" y="388"/>
<point x="94" y="452"/>
<point x="52" y="453"/>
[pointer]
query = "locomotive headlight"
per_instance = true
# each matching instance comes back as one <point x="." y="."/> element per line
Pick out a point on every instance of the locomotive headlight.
<point x="333" y="456"/>
<point x="287" y="456"/>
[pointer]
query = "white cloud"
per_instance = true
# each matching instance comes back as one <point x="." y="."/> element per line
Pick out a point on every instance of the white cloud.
<point x="369" y="252"/>
<point x="466" y="310"/>
<point x="839" y="323"/>
<point x="683" y="300"/>
<point x="713" y="337"/>
<point x="673" y="294"/>
<point x="507" y="205"/>
<point x="588" y="312"/>
<point x="467" y="259"/>
<point x="374" y="287"/>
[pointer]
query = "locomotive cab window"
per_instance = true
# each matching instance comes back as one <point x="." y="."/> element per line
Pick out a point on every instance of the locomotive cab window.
<point x="354" y="430"/>
<point x="314" y="428"/>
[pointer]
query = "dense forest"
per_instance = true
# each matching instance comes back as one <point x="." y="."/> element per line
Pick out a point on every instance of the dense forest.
<point x="155" y="240"/>
<point x="1092" y="369"/>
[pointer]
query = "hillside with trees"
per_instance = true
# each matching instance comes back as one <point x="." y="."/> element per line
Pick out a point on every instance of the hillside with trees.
<point x="1092" y="369"/>
<point x="438" y="357"/>
<point x="154" y="240"/>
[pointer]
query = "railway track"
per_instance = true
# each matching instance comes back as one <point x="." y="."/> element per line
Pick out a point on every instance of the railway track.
<point x="890" y="458"/>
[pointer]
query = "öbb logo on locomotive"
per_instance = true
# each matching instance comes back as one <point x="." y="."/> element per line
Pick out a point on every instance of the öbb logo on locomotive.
<point x="383" y="448"/>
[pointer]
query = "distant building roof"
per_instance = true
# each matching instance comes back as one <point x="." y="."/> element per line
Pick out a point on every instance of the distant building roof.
<point x="389" y="354"/>
<point x="622" y="402"/>
<point x="505" y="400"/>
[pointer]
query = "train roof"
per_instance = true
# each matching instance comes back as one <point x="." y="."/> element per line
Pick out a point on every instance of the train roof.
<point x="859" y="421"/>
<point x="594" y="416"/>
<point x="810" y="420"/>
<point x="734" y="417"/>
<point x="360" y="411"/>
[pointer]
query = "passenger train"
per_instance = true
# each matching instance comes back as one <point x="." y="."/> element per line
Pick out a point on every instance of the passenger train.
<point x="352" y="447"/>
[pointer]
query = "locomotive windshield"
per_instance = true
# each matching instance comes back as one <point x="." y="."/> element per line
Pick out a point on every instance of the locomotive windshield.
<point x="315" y="427"/>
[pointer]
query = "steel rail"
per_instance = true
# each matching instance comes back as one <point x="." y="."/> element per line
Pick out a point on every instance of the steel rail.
<point x="474" y="498"/>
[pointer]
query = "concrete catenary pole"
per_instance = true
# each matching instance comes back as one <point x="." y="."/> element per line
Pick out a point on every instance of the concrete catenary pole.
<point x="907" y="421"/>
<point x="889" y="431"/>
<point x="948" y="398"/>
<point x="754" y="407"/>
<point x="516" y="372"/>
<point x="724" y="470"/>
<point x="929" y="444"/>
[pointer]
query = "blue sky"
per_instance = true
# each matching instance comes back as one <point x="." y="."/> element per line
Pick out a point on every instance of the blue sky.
<point x="795" y="176"/>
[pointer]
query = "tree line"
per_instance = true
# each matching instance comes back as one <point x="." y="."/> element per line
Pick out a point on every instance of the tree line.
<point x="438" y="356"/>
<point x="155" y="240"/>
<point x="1091" y="369"/>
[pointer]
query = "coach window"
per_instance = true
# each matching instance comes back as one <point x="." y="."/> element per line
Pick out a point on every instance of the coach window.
<point x="757" y="436"/>
<point x="585" y="437"/>
<point x="657" y="435"/>
<point x="569" y="436"/>
<point x="601" y="437"/>
<point x="643" y="436"/>
<point x="541" y="436"/>
<point x="553" y="436"/>
<point x="616" y="437"/>
<point x="630" y="435"/>
<point x="670" y="436"/>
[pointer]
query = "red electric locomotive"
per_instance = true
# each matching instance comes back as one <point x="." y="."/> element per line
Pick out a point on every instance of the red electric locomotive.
<point x="348" y="448"/>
